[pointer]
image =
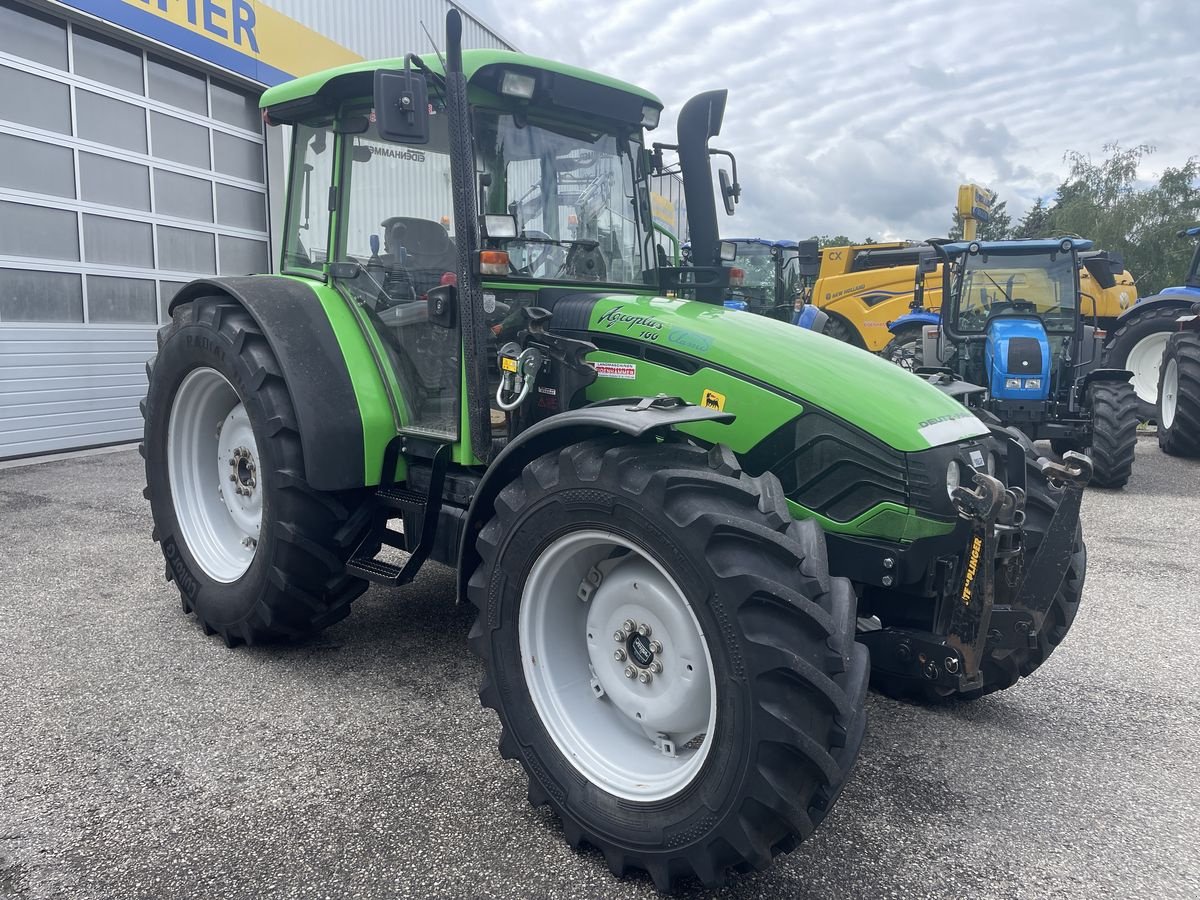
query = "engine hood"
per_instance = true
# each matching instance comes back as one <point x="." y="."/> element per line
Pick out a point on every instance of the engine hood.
<point x="905" y="412"/>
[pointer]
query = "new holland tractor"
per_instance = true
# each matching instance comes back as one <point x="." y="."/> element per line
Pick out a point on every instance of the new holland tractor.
<point x="1179" y="388"/>
<point x="1012" y="343"/>
<point x="673" y="519"/>
<point x="1138" y="335"/>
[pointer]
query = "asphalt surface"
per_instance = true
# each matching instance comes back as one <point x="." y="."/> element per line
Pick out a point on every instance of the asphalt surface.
<point x="139" y="758"/>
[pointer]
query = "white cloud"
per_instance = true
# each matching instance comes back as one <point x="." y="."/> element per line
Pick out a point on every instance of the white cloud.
<point x="862" y="118"/>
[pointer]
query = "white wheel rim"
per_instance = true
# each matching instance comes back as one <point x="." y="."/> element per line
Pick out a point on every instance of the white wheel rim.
<point x="611" y="727"/>
<point x="1170" y="393"/>
<point x="215" y="474"/>
<point x="1144" y="360"/>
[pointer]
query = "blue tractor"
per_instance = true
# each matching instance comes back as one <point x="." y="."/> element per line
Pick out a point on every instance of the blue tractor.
<point x="1137" y="338"/>
<point x="1011" y="343"/>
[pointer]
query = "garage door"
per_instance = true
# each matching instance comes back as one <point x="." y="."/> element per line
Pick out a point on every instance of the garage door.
<point x="123" y="175"/>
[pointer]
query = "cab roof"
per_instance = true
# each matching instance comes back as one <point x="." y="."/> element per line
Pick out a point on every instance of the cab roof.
<point x="325" y="88"/>
<point x="786" y="245"/>
<point x="1016" y="248"/>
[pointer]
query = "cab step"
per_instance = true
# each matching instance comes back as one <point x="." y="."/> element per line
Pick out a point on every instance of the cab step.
<point x="419" y="513"/>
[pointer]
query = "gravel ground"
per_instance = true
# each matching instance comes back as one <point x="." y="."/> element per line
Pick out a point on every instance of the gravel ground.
<point x="140" y="759"/>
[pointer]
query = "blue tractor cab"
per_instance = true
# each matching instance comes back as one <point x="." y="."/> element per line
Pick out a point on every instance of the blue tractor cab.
<point x="769" y="275"/>
<point x="1011" y="343"/>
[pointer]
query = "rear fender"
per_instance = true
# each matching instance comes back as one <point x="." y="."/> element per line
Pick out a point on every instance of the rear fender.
<point x="341" y="405"/>
<point x="914" y="318"/>
<point x="1103" y="375"/>
<point x="635" y="417"/>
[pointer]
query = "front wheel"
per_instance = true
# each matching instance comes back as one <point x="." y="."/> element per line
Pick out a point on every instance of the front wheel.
<point x="670" y="660"/>
<point x="1114" y="432"/>
<point x="1179" y="396"/>
<point x="1137" y="345"/>
<point x="255" y="551"/>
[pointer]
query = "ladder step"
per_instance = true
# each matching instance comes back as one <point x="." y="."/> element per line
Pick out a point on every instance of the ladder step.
<point x="401" y="499"/>
<point x="375" y="570"/>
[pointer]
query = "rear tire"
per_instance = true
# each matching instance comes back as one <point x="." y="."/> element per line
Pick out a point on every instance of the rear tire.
<point x="1179" y="396"/>
<point x="1138" y="345"/>
<point x="841" y="330"/>
<point x="787" y="679"/>
<point x="904" y="349"/>
<point x="1114" y="432"/>
<point x="214" y="363"/>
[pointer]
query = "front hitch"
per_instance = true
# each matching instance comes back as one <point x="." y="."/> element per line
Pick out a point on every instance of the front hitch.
<point x="971" y="614"/>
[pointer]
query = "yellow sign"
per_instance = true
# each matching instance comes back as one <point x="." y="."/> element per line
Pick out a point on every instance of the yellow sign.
<point x="663" y="212"/>
<point x="508" y="364"/>
<point x="710" y="399"/>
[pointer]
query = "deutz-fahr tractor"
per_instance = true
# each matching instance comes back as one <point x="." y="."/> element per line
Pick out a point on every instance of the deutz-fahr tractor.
<point x="1011" y="343"/>
<point x="662" y="509"/>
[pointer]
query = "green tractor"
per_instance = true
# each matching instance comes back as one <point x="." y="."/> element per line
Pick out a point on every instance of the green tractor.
<point x="686" y="530"/>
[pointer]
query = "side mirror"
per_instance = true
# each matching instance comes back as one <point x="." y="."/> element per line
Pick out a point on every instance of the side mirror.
<point x="808" y="259"/>
<point x="401" y="107"/>
<point x="728" y="251"/>
<point x="1100" y="269"/>
<point x="927" y="265"/>
<point x="729" y="191"/>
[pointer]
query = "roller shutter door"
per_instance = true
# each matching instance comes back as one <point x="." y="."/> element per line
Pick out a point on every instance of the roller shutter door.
<point x="123" y="175"/>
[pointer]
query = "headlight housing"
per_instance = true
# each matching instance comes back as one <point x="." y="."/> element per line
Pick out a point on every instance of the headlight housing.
<point x="953" y="476"/>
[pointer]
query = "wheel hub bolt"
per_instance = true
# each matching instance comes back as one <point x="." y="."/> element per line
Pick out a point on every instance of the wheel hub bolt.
<point x="619" y="656"/>
<point x="655" y="647"/>
<point x="644" y="630"/>
<point x="619" y="637"/>
<point x="645" y="677"/>
<point x="630" y="672"/>
<point x="232" y="463"/>
<point x="656" y="667"/>
<point x="951" y="665"/>
<point x="629" y="625"/>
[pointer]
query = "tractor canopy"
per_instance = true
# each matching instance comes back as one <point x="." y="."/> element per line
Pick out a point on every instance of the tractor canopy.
<point x="554" y="84"/>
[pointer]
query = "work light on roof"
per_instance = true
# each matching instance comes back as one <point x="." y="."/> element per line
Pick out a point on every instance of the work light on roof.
<point x="517" y="84"/>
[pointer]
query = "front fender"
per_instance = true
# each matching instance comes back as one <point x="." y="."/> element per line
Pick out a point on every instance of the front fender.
<point x="1182" y="298"/>
<point x="632" y="416"/>
<point x="342" y="411"/>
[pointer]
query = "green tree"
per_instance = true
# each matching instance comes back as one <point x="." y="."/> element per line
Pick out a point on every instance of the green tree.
<point x="1105" y="201"/>
<point x="838" y="240"/>
<point x="996" y="228"/>
<point x="1035" y="223"/>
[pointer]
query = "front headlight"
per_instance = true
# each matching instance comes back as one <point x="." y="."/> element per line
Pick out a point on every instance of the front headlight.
<point x="1033" y="383"/>
<point x="953" y="476"/>
<point x="1013" y="384"/>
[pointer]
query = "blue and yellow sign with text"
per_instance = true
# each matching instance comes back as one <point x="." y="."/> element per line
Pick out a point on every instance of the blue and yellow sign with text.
<point x="243" y="36"/>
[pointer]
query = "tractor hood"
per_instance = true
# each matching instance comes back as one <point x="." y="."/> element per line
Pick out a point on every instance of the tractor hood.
<point x="905" y="412"/>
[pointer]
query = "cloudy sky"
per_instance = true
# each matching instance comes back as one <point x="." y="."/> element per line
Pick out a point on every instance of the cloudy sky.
<point x="862" y="117"/>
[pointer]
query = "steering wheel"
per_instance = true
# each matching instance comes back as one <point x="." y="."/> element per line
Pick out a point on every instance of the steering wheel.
<point x="584" y="260"/>
<point x="1023" y="306"/>
<point x="542" y="254"/>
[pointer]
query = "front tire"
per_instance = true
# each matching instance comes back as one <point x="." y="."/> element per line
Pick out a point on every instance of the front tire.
<point x="256" y="553"/>
<point x="1179" y="396"/>
<point x="761" y="687"/>
<point x="839" y="329"/>
<point x="1114" y="432"/>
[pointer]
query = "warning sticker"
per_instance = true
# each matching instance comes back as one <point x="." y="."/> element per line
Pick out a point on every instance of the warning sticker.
<point x="710" y="399"/>
<point x="615" y="370"/>
<point x="508" y="364"/>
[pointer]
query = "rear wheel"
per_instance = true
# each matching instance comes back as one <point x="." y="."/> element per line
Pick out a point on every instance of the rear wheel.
<point x="1179" y="396"/>
<point x="255" y="552"/>
<point x="904" y="349"/>
<point x="670" y="660"/>
<point x="1114" y="432"/>
<point x="838" y="328"/>
<point x="1138" y="345"/>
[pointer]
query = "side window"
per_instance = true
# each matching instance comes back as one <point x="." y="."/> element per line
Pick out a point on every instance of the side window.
<point x="306" y="240"/>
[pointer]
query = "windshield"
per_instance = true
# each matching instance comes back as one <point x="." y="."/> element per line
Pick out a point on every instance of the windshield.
<point x="1042" y="284"/>
<point x="578" y="196"/>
